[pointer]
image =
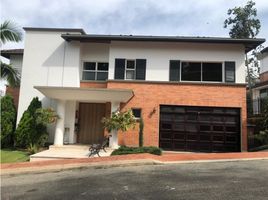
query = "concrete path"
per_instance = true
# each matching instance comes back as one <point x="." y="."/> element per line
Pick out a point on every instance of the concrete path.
<point x="134" y="159"/>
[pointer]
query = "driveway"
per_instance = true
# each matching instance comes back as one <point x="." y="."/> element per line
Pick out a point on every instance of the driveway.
<point x="222" y="180"/>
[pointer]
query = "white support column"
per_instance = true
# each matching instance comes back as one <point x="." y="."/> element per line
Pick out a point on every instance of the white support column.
<point x="113" y="142"/>
<point x="59" y="133"/>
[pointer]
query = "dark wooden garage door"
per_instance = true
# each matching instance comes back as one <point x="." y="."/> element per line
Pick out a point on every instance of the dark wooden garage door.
<point x="205" y="129"/>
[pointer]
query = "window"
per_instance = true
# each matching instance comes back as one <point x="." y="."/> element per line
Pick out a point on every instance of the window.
<point x="136" y="112"/>
<point x="212" y="72"/>
<point x="201" y="71"/>
<point x="264" y="93"/>
<point x="130" y="69"/>
<point x="95" y="71"/>
<point x="191" y="71"/>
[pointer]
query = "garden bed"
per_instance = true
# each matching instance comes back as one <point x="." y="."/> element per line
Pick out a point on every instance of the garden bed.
<point x="136" y="150"/>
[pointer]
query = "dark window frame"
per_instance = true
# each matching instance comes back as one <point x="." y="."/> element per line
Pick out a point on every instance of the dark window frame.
<point x="140" y="110"/>
<point x="96" y="71"/>
<point x="201" y="71"/>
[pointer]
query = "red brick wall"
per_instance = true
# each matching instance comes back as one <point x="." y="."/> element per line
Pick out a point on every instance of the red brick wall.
<point x="15" y="93"/>
<point x="149" y="96"/>
<point x="93" y="85"/>
<point x="264" y="76"/>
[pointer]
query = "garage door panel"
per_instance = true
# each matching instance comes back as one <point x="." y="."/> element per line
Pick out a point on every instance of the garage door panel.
<point x="206" y="129"/>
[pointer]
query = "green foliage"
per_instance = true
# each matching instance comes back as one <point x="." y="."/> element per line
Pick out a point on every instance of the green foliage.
<point x="141" y="127"/>
<point x="10" y="74"/>
<point x="30" y="131"/>
<point x="136" y="150"/>
<point x="8" y="121"/>
<point x="243" y="21"/>
<point x="46" y="116"/>
<point x="265" y="114"/>
<point x="10" y="32"/>
<point x="13" y="155"/>
<point x="120" y="121"/>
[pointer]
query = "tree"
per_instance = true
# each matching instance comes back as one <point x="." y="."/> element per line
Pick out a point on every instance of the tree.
<point x="243" y="21"/>
<point x="29" y="131"/>
<point x="141" y="127"/>
<point x="10" y="74"/>
<point x="10" y="32"/>
<point x="118" y="121"/>
<point x="8" y="121"/>
<point x="244" y="24"/>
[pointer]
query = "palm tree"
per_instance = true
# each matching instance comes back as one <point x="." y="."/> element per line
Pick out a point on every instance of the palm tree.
<point x="10" y="32"/>
<point x="10" y="74"/>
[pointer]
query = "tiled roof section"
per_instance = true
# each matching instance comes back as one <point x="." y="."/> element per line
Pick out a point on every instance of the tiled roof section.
<point x="7" y="52"/>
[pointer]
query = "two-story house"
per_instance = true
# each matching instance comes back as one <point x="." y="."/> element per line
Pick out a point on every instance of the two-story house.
<point x="190" y="91"/>
<point x="260" y="90"/>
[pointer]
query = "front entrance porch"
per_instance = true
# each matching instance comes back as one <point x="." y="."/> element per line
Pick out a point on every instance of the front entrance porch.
<point x="71" y="151"/>
<point x="80" y="112"/>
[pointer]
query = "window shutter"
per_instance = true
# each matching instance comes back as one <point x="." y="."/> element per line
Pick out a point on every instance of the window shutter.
<point x="174" y="70"/>
<point x="140" y="69"/>
<point x="119" y="72"/>
<point x="229" y="71"/>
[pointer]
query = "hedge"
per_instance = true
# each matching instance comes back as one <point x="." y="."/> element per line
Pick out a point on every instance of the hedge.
<point x="136" y="150"/>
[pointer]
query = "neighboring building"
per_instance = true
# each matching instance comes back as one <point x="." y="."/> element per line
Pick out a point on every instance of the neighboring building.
<point x="190" y="91"/>
<point x="15" y="57"/>
<point x="260" y="90"/>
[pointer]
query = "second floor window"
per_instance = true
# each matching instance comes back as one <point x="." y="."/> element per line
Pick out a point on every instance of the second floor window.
<point x="95" y="71"/>
<point x="130" y="69"/>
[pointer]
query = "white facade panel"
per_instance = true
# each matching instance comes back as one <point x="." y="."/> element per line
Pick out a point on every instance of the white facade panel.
<point x="158" y="56"/>
<point x="264" y="63"/>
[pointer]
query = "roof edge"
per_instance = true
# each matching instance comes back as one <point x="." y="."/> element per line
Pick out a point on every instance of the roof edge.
<point x="55" y="29"/>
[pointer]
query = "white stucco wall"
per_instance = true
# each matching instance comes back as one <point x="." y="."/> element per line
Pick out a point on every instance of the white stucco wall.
<point x="94" y="52"/>
<point x="48" y="61"/>
<point x="264" y="63"/>
<point x="158" y="56"/>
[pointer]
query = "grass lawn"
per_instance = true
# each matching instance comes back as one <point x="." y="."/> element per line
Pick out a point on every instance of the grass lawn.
<point x="13" y="155"/>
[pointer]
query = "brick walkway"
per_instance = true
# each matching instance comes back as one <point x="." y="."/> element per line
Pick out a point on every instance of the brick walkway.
<point x="165" y="158"/>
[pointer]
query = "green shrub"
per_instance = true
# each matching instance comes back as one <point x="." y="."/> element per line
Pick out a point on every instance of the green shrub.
<point x="8" y="121"/>
<point x="30" y="132"/>
<point x="141" y="127"/>
<point x="136" y="150"/>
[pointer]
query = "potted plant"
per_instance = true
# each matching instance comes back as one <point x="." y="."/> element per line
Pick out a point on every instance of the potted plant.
<point x="118" y="121"/>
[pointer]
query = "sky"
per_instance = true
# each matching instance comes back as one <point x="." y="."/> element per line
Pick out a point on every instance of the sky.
<point x="136" y="17"/>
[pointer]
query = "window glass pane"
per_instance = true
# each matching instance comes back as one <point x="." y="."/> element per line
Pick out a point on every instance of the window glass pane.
<point x="88" y="75"/>
<point x="136" y="112"/>
<point x="191" y="71"/>
<point x="212" y="72"/>
<point x="102" y="76"/>
<point x="263" y="93"/>
<point x="130" y="74"/>
<point x="130" y="64"/>
<point x="89" y="66"/>
<point x="103" y="66"/>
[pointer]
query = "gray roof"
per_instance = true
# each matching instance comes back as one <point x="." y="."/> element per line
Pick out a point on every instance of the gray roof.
<point x="55" y="29"/>
<point x="265" y="50"/>
<point x="248" y="43"/>
<point x="8" y="52"/>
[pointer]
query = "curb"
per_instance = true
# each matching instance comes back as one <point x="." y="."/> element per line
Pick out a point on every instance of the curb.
<point x="58" y="168"/>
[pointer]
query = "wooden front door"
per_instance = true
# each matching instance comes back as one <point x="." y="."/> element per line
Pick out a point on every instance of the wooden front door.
<point x="91" y="129"/>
